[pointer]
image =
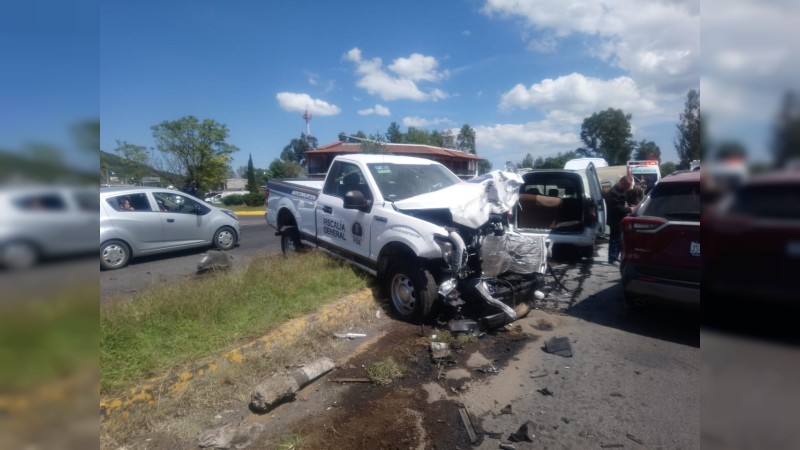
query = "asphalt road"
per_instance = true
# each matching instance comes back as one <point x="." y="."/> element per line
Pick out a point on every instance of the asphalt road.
<point x="257" y="239"/>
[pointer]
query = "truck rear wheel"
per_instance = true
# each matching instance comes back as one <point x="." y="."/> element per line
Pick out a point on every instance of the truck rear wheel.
<point x="411" y="291"/>
<point x="290" y="241"/>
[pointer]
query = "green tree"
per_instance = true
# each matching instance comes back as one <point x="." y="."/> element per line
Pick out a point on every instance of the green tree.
<point x="527" y="162"/>
<point x="418" y="136"/>
<point x="667" y="168"/>
<point x="394" y="134"/>
<point x="197" y="149"/>
<point x="786" y="142"/>
<point x="448" y="139"/>
<point x="375" y="144"/>
<point x="484" y="166"/>
<point x="296" y="150"/>
<point x="647" y="150"/>
<point x="136" y="160"/>
<point x="465" y="141"/>
<point x="688" y="139"/>
<point x="252" y="184"/>
<point x="280" y="168"/>
<point x="607" y="134"/>
<point x="554" y="162"/>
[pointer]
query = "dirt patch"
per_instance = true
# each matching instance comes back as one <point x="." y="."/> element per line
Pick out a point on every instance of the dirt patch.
<point x="401" y="415"/>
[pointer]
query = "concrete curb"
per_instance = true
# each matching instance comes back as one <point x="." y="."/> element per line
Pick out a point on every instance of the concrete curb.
<point x="149" y="393"/>
<point x="249" y="213"/>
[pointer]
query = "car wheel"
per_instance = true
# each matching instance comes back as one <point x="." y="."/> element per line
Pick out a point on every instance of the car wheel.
<point x="290" y="241"/>
<point x="18" y="255"/>
<point x="114" y="254"/>
<point x="411" y="291"/>
<point x="587" y="252"/>
<point x="225" y="238"/>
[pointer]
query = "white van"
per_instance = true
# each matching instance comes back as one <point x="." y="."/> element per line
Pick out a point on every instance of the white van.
<point x="565" y="206"/>
<point x="583" y="163"/>
<point x="645" y="173"/>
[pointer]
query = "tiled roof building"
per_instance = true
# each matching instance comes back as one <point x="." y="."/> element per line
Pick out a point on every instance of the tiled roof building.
<point x="465" y="165"/>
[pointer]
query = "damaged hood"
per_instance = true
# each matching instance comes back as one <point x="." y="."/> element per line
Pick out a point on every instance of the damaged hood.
<point x="470" y="203"/>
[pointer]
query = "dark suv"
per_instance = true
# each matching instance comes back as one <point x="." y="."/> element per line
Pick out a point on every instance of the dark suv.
<point x="661" y="244"/>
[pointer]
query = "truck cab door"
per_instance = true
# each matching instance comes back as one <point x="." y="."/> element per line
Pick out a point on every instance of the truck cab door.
<point x="596" y="191"/>
<point x="345" y="230"/>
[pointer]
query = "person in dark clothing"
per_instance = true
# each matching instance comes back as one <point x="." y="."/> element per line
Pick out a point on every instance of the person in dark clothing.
<point x="190" y="188"/>
<point x="617" y="210"/>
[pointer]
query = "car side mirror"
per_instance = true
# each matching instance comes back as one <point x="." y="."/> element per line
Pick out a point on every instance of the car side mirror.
<point x="356" y="200"/>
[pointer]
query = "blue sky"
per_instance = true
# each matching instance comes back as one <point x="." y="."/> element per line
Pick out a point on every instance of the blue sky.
<point x="523" y="74"/>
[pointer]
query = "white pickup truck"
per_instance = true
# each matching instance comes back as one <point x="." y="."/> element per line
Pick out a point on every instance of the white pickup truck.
<point x="442" y="246"/>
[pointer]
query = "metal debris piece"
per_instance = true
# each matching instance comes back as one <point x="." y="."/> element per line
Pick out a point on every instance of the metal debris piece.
<point x="462" y="326"/>
<point x="525" y="433"/>
<point x="349" y="335"/>
<point x="439" y="350"/>
<point x="350" y="380"/>
<point x="507" y="447"/>
<point x="545" y="391"/>
<point x="539" y="374"/>
<point x="635" y="439"/>
<point x="473" y="438"/>
<point x="506" y="410"/>
<point x="559" y="346"/>
<point x="489" y="369"/>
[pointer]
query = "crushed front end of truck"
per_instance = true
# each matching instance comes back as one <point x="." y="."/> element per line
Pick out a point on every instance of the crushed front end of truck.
<point x="488" y="274"/>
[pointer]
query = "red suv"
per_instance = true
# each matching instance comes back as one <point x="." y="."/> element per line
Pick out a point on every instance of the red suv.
<point x="661" y="244"/>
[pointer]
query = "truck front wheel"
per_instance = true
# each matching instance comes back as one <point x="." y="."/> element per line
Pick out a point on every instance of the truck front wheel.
<point x="411" y="291"/>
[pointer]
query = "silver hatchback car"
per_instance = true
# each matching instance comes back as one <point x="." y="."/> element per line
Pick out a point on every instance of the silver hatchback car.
<point x="137" y="221"/>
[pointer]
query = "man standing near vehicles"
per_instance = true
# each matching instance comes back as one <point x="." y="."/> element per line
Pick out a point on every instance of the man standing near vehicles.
<point x="617" y="210"/>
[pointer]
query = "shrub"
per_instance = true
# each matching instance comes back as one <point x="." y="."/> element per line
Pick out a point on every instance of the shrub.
<point x="233" y="199"/>
<point x="254" y="199"/>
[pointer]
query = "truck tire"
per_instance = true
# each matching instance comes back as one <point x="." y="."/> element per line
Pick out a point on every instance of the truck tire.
<point x="290" y="241"/>
<point x="411" y="290"/>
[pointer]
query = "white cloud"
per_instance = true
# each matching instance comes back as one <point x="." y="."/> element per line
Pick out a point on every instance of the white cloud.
<point x="656" y="41"/>
<point x="511" y="142"/>
<point x="312" y="77"/>
<point x="378" y="110"/>
<point x="291" y="101"/>
<point x="466" y="33"/>
<point x="416" y="68"/>
<point x="420" y="122"/>
<point x="575" y="95"/>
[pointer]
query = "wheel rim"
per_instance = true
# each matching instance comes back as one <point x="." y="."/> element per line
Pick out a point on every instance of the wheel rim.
<point x="225" y="239"/>
<point x="403" y="295"/>
<point x="290" y="247"/>
<point x="18" y="255"/>
<point x="114" y="255"/>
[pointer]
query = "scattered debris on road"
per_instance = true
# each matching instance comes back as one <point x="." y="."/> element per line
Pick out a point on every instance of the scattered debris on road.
<point x="524" y="433"/>
<point x="506" y="410"/>
<point x="439" y="351"/>
<point x="611" y="446"/>
<point x="559" y="346"/>
<point x="635" y="439"/>
<point x="473" y="438"/>
<point x="281" y="388"/>
<point x="545" y="391"/>
<point x="214" y="260"/>
<point x="350" y="336"/>
<point x="539" y="374"/>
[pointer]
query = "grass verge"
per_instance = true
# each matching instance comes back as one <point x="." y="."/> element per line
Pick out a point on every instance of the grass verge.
<point x="174" y="326"/>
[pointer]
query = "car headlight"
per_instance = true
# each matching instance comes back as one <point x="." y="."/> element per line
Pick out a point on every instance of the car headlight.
<point x="230" y="213"/>
<point x="446" y="247"/>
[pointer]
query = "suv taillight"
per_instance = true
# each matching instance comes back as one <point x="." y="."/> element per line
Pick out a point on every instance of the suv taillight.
<point x="642" y="223"/>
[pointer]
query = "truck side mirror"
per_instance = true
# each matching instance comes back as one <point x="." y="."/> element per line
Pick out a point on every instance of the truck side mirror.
<point x="355" y="200"/>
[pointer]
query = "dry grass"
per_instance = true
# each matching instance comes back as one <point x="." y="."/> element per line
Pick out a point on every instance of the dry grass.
<point x="384" y="372"/>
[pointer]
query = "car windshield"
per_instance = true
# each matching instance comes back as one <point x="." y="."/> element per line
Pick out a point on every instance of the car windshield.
<point x="401" y="181"/>
<point x="768" y="202"/>
<point x="674" y="201"/>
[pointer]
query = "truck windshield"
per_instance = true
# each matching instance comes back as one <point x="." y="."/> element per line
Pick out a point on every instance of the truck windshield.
<point x="401" y="181"/>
